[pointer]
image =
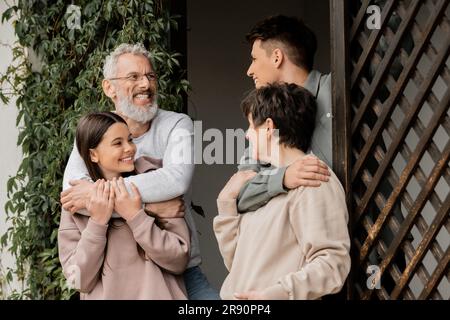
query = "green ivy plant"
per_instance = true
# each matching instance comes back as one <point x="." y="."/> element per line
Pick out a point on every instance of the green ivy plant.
<point x="53" y="91"/>
<point x="2" y="281"/>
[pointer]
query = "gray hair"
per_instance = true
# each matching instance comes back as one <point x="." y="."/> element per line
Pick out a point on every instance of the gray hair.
<point x="109" y="68"/>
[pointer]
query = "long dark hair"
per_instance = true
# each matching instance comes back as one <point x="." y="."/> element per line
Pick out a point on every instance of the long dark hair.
<point x="90" y="131"/>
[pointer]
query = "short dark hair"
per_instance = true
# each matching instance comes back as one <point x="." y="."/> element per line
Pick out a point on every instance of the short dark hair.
<point x="291" y="108"/>
<point x="300" y="41"/>
<point x="89" y="134"/>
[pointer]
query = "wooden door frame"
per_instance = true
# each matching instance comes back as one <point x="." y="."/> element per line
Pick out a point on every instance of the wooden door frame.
<point x="341" y="137"/>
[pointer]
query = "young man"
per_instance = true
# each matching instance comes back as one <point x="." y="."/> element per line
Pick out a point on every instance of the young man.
<point x="283" y="50"/>
<point x="130" y="82"/>
<point x="297" y="245"/>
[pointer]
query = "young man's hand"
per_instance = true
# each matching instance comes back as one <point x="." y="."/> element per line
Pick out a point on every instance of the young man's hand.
<point x="76" y="197"/>
<point x="234" y="185"/>
<point x="173" y="208"/>
<point x="308" y="171"/>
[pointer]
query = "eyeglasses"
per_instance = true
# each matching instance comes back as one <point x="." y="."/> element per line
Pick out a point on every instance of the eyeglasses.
<point x="134" y="77"/>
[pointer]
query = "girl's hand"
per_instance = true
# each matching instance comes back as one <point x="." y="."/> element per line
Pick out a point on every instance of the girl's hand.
<point x="234" y="185"/>
<point x="101" y="202"/>
<point x="127" y="205"/>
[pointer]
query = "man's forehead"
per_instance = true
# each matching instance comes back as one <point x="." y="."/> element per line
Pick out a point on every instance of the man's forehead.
<point x="256" y="45"/>
<point x="267" y="46"/>
<point x="129" y="62"/>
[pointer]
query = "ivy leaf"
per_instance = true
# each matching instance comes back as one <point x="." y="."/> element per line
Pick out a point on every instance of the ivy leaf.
<point x="4" y="99"/>
<point x="8" y="12"/>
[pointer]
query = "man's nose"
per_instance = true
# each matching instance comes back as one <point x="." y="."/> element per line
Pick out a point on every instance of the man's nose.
<point x="250" y="71"/>
<point x="144" y="82"/>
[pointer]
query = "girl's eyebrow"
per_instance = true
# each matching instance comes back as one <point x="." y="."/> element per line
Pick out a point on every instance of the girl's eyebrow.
<point x="118" y="138"/>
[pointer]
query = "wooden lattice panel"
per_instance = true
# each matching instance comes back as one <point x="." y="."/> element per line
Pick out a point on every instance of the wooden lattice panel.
<point x="399" y="79"/>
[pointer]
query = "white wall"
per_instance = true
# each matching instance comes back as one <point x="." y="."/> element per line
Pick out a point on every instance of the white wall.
<point x="10" y="154"/>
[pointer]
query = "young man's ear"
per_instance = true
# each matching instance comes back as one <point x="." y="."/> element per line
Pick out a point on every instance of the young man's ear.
<point x="277" y="57"/>
<point x="93" y="155"/>
<point x="270" y="127"/>
<point x="109" y="89"/>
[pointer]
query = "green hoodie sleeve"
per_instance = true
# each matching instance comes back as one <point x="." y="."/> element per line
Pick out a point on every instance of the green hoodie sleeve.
<point x="267" y="184"/>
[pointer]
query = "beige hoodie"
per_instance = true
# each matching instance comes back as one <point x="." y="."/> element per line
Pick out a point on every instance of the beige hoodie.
<point x="106" y="264"/>
<point x="295" y="247"/>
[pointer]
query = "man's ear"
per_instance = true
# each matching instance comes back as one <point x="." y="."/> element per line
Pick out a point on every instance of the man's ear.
<point x="270" y="127"/>
<point x="277" y="57"/>
<point x="109" y="89"/>
<point x="93" y="155"/>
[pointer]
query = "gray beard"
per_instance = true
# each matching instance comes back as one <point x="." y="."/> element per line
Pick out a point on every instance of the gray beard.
<point x="141" y="114"/>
